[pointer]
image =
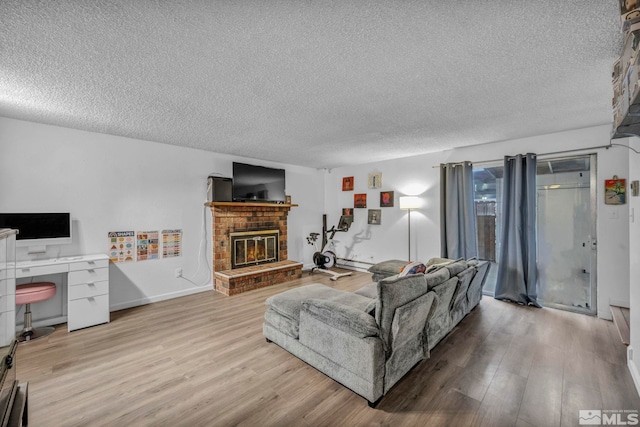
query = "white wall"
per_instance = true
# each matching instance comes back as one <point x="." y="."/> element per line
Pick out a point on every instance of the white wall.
<point x="110" y="183"/>
<point x="634" y="266"/>
<point x="416" y="175"/>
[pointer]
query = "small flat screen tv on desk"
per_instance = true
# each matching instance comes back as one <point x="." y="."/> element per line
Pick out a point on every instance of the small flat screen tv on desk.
<point x="37" y="230"/>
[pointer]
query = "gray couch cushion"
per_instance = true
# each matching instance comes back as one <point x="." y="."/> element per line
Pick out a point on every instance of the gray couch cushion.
<point x="437" y="277"/>
<point x="283" y="324"/>
<point x="343" y="317"/>
<point x="438" y="261"/>
<point x="390" y="267"/>
<point x="369" y="291"/>
<point x="394" y="292"/>
<point x="356" y="301"/>
<point x="289" y="303"/>
<point x="459" y="308"/>
<point x="456" y="267"/>
<point x="440" y="322"/>
<point x="409" y="341"/>
<point x="474" y="293"/>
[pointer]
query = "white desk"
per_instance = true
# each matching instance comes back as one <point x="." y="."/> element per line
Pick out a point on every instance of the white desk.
<point x="87" y="286"/>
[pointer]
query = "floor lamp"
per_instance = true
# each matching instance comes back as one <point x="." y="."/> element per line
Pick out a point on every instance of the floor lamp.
<point x="407" y="203"/>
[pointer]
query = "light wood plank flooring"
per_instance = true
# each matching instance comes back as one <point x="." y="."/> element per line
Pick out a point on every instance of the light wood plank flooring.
<point x="201" y="360"/>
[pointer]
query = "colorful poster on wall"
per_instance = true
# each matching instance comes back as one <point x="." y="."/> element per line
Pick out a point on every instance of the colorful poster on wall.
<point x="360" y="200"/>
<point x="171" y="243"/>
<point x="386" y="199"/>
<point x="122" y="246"/>
<point x="375" y="180"/>
<point x="147" y="245"/>
<point x="347" y="183"/>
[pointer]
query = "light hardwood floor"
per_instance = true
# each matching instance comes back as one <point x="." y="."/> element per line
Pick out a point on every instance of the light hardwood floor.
<point x="201" y="360"/>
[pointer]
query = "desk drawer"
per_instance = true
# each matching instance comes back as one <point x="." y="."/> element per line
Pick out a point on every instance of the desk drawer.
<point x="41" y="270"/>
<point x="85" y="290"/>
<point x="87" y="312"/>
<point x="88" y="265"/>
<point x="88" y="276"/>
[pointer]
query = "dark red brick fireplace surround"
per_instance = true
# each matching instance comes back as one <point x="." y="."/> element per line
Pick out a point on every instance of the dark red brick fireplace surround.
<point x="232" y="217"/>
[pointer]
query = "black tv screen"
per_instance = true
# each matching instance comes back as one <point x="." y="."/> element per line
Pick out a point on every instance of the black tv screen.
<point x="38" y="226"/>
<point x="257" y="183"/>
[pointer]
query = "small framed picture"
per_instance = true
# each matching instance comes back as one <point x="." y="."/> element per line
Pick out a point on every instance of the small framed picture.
<point x="347" y="183"/>
<point x="615" y="191"/>
<point x="360" y="200"/>
<point x="375" y="180"/>
<point x="386" y="199"/>
<point x="347" y="211"/>
<point x="375" y="216"/>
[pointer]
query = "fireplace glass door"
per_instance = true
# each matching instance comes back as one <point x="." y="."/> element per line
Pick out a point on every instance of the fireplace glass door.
<point x="254" y="247"/>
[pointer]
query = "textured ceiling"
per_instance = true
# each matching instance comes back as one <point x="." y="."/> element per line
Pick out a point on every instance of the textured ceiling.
<point x="314" y="83"/>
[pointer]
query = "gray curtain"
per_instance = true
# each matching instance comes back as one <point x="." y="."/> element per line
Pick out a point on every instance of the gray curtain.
<point x="458" y="237"/>
<point x="517" y="271"/>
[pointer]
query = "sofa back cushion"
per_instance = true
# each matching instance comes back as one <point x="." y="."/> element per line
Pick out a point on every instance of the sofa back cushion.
<point x="395" y="291"/>
<point x="437" y="277"/>
<point x="459" y="306"/>
<point x="456" y="267"/>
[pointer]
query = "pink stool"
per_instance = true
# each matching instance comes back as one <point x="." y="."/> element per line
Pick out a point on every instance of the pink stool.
<point x="27" y="294"/>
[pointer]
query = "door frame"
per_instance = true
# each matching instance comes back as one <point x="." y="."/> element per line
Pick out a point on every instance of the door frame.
<point x="593" y="206"/>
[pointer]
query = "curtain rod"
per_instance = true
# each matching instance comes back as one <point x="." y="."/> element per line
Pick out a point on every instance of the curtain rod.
<point x="537" y="155"/>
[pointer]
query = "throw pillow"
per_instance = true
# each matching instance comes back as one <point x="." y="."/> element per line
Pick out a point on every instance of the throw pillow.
<point x="413" y="268"/>
<point x="392" y="266"/>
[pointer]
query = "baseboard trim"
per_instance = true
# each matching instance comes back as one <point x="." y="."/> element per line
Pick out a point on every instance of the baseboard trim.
<point x="309" y="267"/>
<point x="622" y="325"/>
<point x="635" y="374"/>
<point x="619" y="303"/>
<point x="158" y="298"/>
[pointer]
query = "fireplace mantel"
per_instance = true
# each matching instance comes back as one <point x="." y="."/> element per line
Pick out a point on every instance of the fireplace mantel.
<point x="235" y="217"/>
<point x="249" y="204"/>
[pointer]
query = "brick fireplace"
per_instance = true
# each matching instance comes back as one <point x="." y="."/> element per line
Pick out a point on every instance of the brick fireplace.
<point x="250" y="246"/>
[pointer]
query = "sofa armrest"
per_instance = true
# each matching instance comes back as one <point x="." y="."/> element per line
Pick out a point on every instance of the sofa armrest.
<point x="342" y="317"/>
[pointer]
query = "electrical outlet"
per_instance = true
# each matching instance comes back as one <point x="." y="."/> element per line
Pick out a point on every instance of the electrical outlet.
<point x="178" y="272"/>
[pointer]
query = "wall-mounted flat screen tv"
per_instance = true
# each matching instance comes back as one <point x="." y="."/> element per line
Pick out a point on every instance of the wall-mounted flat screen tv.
<point x="258" y="183"/>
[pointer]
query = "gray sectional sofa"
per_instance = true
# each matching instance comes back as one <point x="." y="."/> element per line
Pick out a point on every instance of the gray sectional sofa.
<point x="369" y="339"/>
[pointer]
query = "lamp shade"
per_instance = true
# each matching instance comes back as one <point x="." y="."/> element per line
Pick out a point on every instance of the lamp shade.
<point x="409" y="202"/>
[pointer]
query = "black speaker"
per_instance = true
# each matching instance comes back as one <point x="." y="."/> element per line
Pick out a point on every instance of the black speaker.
<point x="219" y="189"/>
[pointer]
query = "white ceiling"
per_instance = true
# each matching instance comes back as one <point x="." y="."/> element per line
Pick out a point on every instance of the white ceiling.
<point x="314" y="83"/>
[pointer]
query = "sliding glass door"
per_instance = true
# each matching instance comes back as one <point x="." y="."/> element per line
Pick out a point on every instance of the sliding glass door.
<point x="488" y="188"/>
<point x="566" y="233"/>
<point x="566" y="206"/>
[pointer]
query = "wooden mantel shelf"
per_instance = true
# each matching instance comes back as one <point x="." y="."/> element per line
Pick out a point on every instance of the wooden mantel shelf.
<point x="249" y="204"/>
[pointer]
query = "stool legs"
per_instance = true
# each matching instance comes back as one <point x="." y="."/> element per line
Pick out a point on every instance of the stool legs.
<point x="28" y="332"/>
